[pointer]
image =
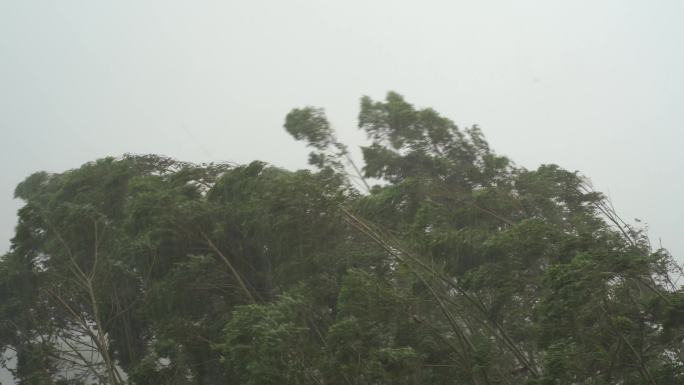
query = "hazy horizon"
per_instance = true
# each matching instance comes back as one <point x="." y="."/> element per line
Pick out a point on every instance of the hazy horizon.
<point x="594" y="87"/>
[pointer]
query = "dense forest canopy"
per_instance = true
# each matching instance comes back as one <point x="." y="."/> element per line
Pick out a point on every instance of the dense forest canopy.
<point x="436" y="261"/>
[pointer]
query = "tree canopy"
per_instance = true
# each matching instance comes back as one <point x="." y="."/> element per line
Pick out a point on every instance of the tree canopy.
<point x="437" y="261"/>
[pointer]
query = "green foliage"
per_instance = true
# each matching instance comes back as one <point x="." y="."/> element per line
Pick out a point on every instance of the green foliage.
<point x="268" y="344"/>
<point x="309" y="124"/>
<point x="457" y="268"/>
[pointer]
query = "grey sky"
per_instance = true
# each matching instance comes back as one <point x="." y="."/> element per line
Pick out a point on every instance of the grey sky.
<point x="595" y="86"/>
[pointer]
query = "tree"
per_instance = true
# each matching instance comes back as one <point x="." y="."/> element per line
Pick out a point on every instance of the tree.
<point x="457" y="266"/>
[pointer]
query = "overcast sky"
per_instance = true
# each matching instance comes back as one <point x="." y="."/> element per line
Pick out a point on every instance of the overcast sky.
<point x="594" y="86"/>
